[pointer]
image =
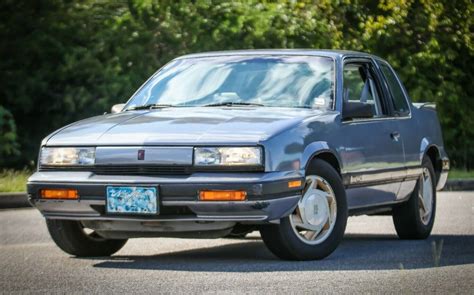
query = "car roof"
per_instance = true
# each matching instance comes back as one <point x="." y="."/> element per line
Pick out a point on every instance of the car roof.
<point x="260" y="52"/>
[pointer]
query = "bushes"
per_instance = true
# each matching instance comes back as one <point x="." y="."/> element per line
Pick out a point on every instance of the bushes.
<point x="8" y="140"/>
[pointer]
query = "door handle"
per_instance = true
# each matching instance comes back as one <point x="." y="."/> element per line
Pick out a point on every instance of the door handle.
<point x="395" y="135"/>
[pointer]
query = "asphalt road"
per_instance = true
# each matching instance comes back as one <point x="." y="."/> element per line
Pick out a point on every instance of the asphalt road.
<point x="370" y="259"/>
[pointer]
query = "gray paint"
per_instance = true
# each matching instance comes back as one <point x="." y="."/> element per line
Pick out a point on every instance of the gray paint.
<point x="290" y="137"/>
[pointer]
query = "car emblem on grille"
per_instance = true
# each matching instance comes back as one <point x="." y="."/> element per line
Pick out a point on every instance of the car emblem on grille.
<point x="141" y="155"/>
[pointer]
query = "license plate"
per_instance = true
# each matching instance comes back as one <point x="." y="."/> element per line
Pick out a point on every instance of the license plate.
<point x="132" y="200"/>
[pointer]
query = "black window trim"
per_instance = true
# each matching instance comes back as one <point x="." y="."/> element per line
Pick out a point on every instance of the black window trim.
<point x="378" y="79"/>
<point x="396" y="114"/>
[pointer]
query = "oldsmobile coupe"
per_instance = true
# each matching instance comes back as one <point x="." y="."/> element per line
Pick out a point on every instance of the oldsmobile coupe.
<point x="287" y="142"/>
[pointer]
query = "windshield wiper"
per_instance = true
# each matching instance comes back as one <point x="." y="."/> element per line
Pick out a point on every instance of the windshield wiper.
<point x="150" y="106"/>
<point x="230" y="103"/>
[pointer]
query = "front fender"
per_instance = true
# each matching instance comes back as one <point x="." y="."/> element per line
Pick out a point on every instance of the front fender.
<point x="316" y="148"/>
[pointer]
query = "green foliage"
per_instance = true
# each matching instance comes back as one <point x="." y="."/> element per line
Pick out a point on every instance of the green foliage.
<point x="461" y="174"/>
<point x="67" y="60"/>
<point x="430" y="45"/>
<point x="8" y="143"/>
<point x="13" y="180"/>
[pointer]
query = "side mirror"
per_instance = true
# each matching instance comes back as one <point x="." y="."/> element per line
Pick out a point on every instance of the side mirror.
<point x="117" y="108"/>
<point x="356" y="110"/>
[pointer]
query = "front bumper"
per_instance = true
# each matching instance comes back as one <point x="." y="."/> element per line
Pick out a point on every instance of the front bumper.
<point x="268" y="196"/>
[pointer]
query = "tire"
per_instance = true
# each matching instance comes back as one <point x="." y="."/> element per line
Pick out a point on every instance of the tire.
<point x="407" y="217"/>
<point x="287" y="242"/>
<point x="71" y="237"/>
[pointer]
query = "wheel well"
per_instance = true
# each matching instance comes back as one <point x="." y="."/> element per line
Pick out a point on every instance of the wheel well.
<point x="433" y="154"/>
<point x="329" y="158"/>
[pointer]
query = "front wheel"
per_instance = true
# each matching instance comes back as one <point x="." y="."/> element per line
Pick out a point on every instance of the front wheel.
<point x="74" y="239"/>
<point x="316" y="227"/>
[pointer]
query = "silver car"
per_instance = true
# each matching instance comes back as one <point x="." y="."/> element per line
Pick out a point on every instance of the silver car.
<point x="287" y="142"/>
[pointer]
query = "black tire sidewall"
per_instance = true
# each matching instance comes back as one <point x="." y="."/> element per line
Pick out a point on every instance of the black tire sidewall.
<point x="304" y="251"/>
<point x="71" y="238"/>
<point x="406" y="216"/>
<point x="421" y="227"/>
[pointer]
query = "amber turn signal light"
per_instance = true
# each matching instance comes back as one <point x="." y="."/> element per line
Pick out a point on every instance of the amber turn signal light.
<point x="68" y="194"/>
<point x="222" y="195"/>
<point x="293" y="184"/>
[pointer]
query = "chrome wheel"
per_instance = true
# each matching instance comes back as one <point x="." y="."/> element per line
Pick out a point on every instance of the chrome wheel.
<point x="315" y="215"/>
<point x="425" y="196"/>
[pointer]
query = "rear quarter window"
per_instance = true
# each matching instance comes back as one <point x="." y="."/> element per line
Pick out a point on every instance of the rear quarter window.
<point x="399" y="101"/>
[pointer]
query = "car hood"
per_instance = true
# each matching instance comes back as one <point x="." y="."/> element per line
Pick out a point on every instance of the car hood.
<point x="182" y="126"/>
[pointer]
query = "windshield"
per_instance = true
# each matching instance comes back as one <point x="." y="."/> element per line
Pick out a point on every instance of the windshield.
<point x="273" y="81"/>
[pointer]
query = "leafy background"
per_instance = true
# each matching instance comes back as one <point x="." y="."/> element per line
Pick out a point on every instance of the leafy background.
<point x="62" y="61"/>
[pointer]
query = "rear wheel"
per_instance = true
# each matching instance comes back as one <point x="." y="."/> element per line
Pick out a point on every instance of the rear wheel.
<point x="73" y="238"/>
<point x="414" y="219"/>
<point x="316" y="227"/>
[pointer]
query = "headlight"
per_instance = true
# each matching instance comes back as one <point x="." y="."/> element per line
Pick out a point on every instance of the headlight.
<point x="228" y="156"/>
<point x="67" y="156"/>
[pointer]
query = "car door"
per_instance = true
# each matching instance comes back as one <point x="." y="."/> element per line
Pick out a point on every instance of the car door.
<point x="407" y="126"/>
<point x="370" y="148"/>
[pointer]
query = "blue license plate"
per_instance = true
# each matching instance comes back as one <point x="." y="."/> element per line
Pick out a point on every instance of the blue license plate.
<point x="132" y="200"/>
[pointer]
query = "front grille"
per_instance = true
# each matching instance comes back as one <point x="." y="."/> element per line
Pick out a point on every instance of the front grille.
<point x="141" y="170"/>
<point x="126" y="169"/>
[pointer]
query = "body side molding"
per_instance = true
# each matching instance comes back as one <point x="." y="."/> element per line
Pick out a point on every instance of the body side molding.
<point x="371" y="178"/>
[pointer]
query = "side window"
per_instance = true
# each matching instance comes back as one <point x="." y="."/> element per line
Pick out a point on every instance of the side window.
<point x="359" y="86"/>
<point x="399" y="101"/>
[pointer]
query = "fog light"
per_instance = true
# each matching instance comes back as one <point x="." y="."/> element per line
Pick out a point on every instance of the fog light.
<point x="222" y="195"/>
<point x="59" y="194"/>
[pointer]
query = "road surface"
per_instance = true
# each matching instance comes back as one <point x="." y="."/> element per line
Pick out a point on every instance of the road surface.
<point x="370" y="259"/>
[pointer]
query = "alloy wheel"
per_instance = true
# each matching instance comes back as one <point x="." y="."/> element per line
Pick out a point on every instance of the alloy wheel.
<point x="316" y="213"/>
<point x="425" y="196"/>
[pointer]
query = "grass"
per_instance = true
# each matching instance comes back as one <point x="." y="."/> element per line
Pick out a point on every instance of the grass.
<point x="461" y="174"/>
<point x="13" y="180"/>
